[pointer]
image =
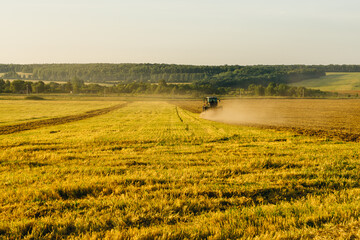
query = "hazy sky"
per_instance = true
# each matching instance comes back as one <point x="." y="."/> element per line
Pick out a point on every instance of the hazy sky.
<point x="200" y="32"/>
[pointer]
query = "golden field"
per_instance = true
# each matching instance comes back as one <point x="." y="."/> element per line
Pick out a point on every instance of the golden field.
<point x="151" y="169"/>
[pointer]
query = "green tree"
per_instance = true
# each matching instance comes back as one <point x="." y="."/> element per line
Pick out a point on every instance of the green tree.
<point x="11" y="75"/>
<point x="270" y="89"/>
<point x="282" y="89"/>
<point x="301" y="92"/>
<point x="2" y="85"/>
<point x="38" y="87"/>
<point x="68" y="87"/>
<point x="162" y="83"/>
<point x="18" y="86"/>
<point x="7" y="86"/>
<point x="292" y="91"/>
<point x="259" y="90"/>
<point x="251" y="89"/>
<point x="77" y="84"/>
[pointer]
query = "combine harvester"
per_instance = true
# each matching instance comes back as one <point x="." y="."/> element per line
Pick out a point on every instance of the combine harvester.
<point x="211" y="103"/>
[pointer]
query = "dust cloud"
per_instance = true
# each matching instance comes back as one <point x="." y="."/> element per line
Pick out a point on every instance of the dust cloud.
<point x="323" y="117"/>
<point x="259" y="111"/>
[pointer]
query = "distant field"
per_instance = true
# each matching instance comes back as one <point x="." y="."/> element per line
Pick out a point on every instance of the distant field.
<point x="24" y="74"/>
<point x="20" y="73"/>
<point x="152" y="170"/>
<point x="336" y="81"/>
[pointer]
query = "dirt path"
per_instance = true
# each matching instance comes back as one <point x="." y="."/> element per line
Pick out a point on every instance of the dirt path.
<point x="56" y="121"/>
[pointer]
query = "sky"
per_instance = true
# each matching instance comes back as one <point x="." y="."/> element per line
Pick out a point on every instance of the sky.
<point x="199" y="32"/>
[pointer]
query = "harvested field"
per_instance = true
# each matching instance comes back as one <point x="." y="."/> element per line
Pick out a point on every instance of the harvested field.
<point x="338" y="118"/>
<point x="152" y="170"/>
<point x="56" y="121"/>
<point x="17" y="110"/>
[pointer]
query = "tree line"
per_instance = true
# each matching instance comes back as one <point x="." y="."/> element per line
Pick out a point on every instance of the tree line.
<point x="26" y="87"/>
<point x="225" y="75"/>
<point x="161" y="78"/>
<point x="172" y="73"/>
<point x="261" y="75"/>
<point x="273" y="89"/>
<point x="77" y="86"/>
<point x="120" y="73"/>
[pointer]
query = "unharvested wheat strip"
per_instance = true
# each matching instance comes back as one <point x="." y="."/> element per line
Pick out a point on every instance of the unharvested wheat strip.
<point x="56" y="121"/>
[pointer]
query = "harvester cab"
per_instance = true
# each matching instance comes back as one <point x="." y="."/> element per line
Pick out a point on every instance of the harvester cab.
<point x="210" y="103"/>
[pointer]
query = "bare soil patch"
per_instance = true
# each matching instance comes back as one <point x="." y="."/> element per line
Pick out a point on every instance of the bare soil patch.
<point x="333" y="118"/>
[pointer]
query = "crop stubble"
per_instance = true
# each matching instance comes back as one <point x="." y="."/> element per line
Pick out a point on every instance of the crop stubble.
<point x="8" y="129"/>
<point x="151" y="170"/>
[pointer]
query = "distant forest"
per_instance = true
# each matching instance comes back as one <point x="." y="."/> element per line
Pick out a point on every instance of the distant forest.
<point x="77" y="86"/>
<point x="204" y="77"/>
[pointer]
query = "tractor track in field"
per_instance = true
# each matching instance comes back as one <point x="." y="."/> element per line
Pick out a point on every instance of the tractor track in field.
<point x="9" y="129"/>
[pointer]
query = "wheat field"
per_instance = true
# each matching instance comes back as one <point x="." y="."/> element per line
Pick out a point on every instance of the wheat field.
<point x="154" y="170"/>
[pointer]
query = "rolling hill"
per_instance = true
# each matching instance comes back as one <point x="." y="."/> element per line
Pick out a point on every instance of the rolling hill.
<point x="333" y="81"/>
